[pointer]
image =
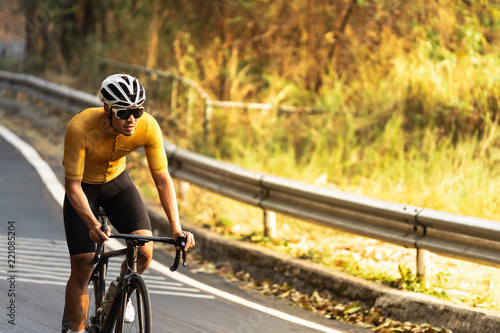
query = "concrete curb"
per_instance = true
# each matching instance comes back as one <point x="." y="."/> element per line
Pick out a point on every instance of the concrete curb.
<point x="306" y="277"/>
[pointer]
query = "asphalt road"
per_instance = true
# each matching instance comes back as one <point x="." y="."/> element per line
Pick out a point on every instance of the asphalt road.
<point x="34" y="268"/>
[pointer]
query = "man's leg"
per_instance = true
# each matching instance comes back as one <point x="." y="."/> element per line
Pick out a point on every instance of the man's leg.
<point x="77" y="300"/>
<point x="128" y="214"/>
<point x="145" y="251"/>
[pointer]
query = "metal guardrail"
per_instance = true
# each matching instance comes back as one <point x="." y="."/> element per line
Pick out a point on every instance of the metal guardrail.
<point x="64" y="97"/>
<point x="469" y="238"/>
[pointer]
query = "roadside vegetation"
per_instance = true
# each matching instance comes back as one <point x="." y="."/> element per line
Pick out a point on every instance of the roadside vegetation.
<point x="410" y="90"/>
<point x="410" y="93"/>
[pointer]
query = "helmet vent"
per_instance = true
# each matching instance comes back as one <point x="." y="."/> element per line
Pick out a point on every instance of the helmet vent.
<point x="117" y="92"/>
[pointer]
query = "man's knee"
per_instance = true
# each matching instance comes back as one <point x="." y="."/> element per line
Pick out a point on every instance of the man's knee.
<point x="81" y="267"/>
<point x="146" y="252"/>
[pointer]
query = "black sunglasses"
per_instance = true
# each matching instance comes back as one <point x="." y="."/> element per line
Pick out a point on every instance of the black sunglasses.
<point x="124" y="114"/>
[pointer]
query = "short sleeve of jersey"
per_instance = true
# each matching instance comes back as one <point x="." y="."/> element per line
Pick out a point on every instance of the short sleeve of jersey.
<point x="155" y="152"/>
<point x="74" y="151"/>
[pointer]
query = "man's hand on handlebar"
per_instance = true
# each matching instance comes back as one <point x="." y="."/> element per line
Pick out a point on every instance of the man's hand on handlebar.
<point x="96" y="233"/>
<point x="189" y="239"/>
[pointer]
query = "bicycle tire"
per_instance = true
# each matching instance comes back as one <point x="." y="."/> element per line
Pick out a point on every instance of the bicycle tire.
<point x="93" y="320"/>
<point x="138" y="293"/>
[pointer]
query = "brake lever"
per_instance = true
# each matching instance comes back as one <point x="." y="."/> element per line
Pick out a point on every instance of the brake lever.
<point x="184" y="263"/>
<point x="180" y="242"/>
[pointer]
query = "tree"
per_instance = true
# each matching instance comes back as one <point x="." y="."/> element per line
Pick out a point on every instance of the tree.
<point x="30" y="29"/>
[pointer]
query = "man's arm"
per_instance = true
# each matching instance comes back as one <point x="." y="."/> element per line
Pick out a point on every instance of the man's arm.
<point x="166" y="192"/>
<point x="80" y="203"/>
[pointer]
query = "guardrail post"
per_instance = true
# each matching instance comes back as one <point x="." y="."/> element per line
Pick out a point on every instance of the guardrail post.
<point x="423" y="265"/>
<point x="207" y="114"/>
<point x="173" y="101"/>
<point x="189" y="111"/>
<point x="158" y="88"/>
<point x="269" y="224"/>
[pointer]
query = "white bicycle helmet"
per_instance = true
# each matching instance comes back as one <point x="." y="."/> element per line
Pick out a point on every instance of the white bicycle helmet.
<point x="122" y="91"/>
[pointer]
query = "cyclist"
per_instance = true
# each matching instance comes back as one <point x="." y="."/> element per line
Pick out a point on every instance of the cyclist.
<point x="95" y="145"/>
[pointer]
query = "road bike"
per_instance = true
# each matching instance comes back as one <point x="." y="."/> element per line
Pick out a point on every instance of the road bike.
<point x="130" y="286"/>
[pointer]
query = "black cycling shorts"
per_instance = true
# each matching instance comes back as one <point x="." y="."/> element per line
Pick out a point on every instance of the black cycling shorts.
<point x="121" y="202"/>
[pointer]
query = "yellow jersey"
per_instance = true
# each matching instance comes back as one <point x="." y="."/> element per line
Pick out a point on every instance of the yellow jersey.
<point x="96" y="156"/>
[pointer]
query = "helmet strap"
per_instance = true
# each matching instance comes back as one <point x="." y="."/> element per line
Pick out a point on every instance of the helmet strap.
<point x="110" y="118"/>
<point x="111" y="123"/>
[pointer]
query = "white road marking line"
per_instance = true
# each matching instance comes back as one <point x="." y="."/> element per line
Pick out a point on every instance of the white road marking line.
<point x="163" y="287"/>
<point x="48" y="176"/>
<point x="34" y="269"/>
<point x="236" y="299"/>
<point x="38" y="277"/>
<point x="45" y="282"/>
<point x="174" y="293"/>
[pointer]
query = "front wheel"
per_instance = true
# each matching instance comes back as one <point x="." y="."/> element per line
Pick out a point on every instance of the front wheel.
<point x="94" y="313"/>
<point x="138" y="319"/>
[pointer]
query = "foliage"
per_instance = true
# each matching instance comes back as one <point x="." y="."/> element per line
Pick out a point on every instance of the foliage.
<point x="429" y="66"/>
<point x="409" y="281"/>
<point x="250" y="50"/>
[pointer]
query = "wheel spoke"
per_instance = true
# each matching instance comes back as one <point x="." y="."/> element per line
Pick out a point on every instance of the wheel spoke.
<point x="139" y="298"/>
